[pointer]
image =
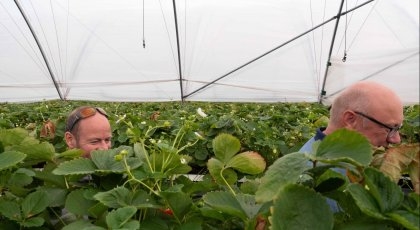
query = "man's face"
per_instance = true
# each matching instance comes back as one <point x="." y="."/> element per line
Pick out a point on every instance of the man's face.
<point x="93" y="133"/>
<point x="380" y="129"/>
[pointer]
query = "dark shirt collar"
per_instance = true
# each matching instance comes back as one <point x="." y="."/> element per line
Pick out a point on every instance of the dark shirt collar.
<point x="319" y="135"/>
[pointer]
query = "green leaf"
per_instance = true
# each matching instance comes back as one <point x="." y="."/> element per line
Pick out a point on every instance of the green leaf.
<point x="387" y="194"/>
<point x="77" y="166"/>
<point x="154" y="223"/>
<point x="365" y="201"/>
<point x="10" y="209"/>
<point x="284" y="170"/>
<point x="195" y="224"/>
<point x="33" y="222"/>
<point x="248" y="204"/>
<point x="10" y="137"/>
<point x="248" y="162"/>
<point x="141" y="199"/>
<point x="407" y="219"/>
<point x="115" y="198"/>
<point x="225" y="202"/>
<point x="10" y="158"/>
<point x="364" y="224"/>
<point x="215" y="168"/>
<point x="78" y="225"/>
<point x="35" y="203"/>
<point x="209" y="212"/>
<point x="225" y="146"/>
<point x="140" y="152"/>
<point x="179" y="202"/>
<point x="57" y="195"/>
<point x="49" y="178"/>
<point x="36" y="152"/>
<point x="329" y="181"/>
<point x="70" y="154"/>
<point x="77" y="203"/>
<point x="345" y="143"/>
<point x="121" y="196"/>
<point x="116" y="219"/>
<point x="105" y="160"/>
<point x="21" y="177"/>
<point x="298" y="207"/>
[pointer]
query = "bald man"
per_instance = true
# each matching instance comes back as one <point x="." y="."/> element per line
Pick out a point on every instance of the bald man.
<point x="369" y="108"/>
<point x="88" y="129"/>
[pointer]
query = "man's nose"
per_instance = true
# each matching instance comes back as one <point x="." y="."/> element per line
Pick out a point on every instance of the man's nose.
<point x="396" y="139"/>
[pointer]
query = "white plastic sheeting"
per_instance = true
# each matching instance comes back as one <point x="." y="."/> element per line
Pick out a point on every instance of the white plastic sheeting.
<point x="214" y="50"/>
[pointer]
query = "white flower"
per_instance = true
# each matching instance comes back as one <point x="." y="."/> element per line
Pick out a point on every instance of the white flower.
<point x="183" y="161"/>
<point x="143" y="122"/>
<point x="201" y="113"/>
<point x="121" y="118"/>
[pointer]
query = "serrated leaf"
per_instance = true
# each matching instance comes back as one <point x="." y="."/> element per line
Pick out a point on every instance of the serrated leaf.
<point x="248" y="162"/>
<point x="77" y="203"/>
<point x="345" y="143"/>
<point x="105" y="161"/>
<point x="33" y="222"/>
<point x="249" y="205"/>
<point x="36" y="152"/>
<point x="77" y="166"/>
<point x="293" y="208"/>
<point x="34" y="203"/>
<point x="78" y="225"/>
<point x="225" y="146"/>
<point x="115" y="198"/>
<point x="10" y="209"/>
<point x="10" y="137"/>
<point x="57" y="195"/>
<point x="365" y="201"/>
<point x="225" y="202"/>
<point x="21" y="177"/>
<point x="407" y="219"/>
<point x="284" y="170"/>
<point x="10" y="158"/>
<point x="215" y="168"/>
<point x="70" y="154"/>
<point x="117" y="218"/>
<point x="387" y="194"/>
<point x="179" y="202"/>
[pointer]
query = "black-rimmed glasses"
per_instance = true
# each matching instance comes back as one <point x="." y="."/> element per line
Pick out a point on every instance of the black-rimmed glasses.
<point x="392" y="130"/>
<point x="83" y="113"/>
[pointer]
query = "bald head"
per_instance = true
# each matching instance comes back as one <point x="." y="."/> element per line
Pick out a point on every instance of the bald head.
<point x="372" y="99"/>
<point x="366" y="96"/>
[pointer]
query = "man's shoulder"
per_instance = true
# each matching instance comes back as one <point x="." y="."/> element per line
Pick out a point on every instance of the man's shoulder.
<point x="307" y="147"/>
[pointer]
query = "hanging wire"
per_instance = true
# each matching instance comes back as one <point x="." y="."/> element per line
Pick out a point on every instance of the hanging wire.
<point x="45" y="37"/>
<point x="345" y="39"/>
<point x="144" y="39"/>
<point x="58" y="41"/>
<point x="363" y="24"/>
<point x="319" y="60"/>
<point x="35" y="58"/>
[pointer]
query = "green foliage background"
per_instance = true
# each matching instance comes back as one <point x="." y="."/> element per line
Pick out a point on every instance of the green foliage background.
<point x="138" y="183"/>
<point x="272" y="129"/>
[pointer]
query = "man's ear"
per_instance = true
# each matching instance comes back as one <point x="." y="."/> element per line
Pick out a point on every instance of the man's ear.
<point x="70" y="140"/>
<point x="349" y="119"/>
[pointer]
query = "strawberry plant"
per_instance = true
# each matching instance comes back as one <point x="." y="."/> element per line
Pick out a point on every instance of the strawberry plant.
<point x="145" y="186"/>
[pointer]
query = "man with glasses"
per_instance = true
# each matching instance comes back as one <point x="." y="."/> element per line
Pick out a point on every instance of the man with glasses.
<point x="370" y="108"/>
<point x="88" y="129"/>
